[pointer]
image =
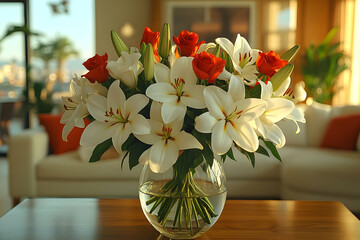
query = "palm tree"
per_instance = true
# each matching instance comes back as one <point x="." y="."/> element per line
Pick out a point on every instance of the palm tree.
<point x="62" y="50"/>
<point x="45" y="52"/>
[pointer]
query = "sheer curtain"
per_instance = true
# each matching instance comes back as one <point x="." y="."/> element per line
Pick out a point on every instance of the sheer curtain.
<point x="347" y="17"/>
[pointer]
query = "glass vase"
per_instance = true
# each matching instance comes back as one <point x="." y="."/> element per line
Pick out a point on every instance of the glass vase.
<point x="183" y="204"/>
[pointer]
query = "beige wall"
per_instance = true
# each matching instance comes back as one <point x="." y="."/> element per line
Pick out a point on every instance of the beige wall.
<point x="112" y="15"/>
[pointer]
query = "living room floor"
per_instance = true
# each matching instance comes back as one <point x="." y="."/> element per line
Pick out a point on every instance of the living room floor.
<point x="5" y="200"/>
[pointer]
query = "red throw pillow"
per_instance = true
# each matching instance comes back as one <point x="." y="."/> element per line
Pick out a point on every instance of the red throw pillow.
<point x="342" y="132"/>
<point x="54" y="129"/>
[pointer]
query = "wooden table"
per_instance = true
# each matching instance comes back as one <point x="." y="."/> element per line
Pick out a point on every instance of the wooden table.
<point x="88" y="219"/>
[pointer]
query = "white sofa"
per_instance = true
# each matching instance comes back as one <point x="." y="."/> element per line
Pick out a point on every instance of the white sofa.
<point x="307" y="172"/>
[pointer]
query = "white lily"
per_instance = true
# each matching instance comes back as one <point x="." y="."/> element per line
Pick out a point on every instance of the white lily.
<point x="277" y="109"/>
<point x="176" y="89"/>
<point x="243" y="59"/>
<point x="115" y="117"/>
<point x="229" y="116"/>
<point x="167" y="141"/>
<point x="298" y="94"/>
<point x="75" y="105"/>
<point x="127" y="68"/>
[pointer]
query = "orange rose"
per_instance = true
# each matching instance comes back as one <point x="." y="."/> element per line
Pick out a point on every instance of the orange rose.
<point x="207" y="66"/>
<point x="152" y="38"/>
<point x="269" y="63"/>
<point x="188" y="43"/>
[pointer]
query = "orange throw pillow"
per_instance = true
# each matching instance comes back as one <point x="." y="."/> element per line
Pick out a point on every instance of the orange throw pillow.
<point x="342" y="132"/>
<point x="54" y="129"/>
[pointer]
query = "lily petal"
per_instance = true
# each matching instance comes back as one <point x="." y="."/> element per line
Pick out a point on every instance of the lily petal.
<point x="154" y="135"/>
<point x="95" y="133"/>
<point x="226" y="45"/>
<point x="134" y="104"/>
<point x="144" y="157"/>
<point x="97" y="106"/>
<point x="236" y="88"/>
<point x="266" y="90"/>
<point x="155" y="111"/>
<point x="275" y="134"/>
<point x="120" y="134"/>
<point x="194" y="97"/>
<point x="277" y="109"/>
<point x="185" y="141"/>
<point x="224" y="75"/>
<point x="161" y="73"/>
<point x="220" y="139"/>
<point x="162" y="92"/>
<point x="116" y="97"/>
<point x="140" y="125"/>
<point x="244" y="136"/>
<point x="205" y="123"/>
<point x="163" y="155"/>
<point x="182" y="69"/>
<point x="216" y="101"/>
<point x="171" y="111"/>
<point x="252" y="108"/>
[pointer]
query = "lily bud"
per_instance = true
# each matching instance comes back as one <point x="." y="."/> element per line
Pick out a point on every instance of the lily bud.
<point x="149" y="63"/>
<point x="229" y="65"/>
<point x="217" y="50"/>
<point x="142" y="52"/>
<point x="278" y="78"/>
<point x="164" y="43"/>
<point x="118" y="44"/>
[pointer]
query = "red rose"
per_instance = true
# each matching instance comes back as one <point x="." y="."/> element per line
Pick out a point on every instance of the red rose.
<point x="152" y="38"/>
<point x="188" y="43"/>
<point x="97" y="68"/>
<point x="207" y="66"/>
<point x="269" y="63"/>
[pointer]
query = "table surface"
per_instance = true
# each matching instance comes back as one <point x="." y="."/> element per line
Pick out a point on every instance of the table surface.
<point x="123" y="219"/>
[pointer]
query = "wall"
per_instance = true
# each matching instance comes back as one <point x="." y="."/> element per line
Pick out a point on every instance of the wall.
<point x="112" y="15"/>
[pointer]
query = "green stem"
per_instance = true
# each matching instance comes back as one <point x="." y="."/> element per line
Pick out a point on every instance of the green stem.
<point x="190" y="199"/>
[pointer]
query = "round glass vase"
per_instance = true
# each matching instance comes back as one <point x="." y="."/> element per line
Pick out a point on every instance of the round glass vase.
<point x="183" y="204"/>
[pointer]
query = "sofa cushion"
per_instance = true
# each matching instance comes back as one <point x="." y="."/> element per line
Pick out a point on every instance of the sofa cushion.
<point x="289" y="129"/>
<point x="322" y="171"/>
<point x="54" y="128"/>
<point x="67" y="166"/>
<point x="344" y="110"/>
<point x="342" y="132"/>
<point x="317" y="117"/>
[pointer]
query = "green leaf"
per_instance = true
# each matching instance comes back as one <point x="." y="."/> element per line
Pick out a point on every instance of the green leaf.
<point x="230" y="154"/>
<point x="14" y="29"/>
<point x="118" y="44"/>
<point x="123" y="159"/>
<point x="135" y="152"/>
<point x="250" y="156"/>
<point x="263" y="151"/>
<point x="289" y="54"/>
<point x="128" y="143"/>
<point x="206" y="152"/>
<point x="278" y="78"/>
<point x="330" y="35"/>
<point x="186" y="161"/>
<point x="100" y="149"/>
<point x="271" y="146"/>
<point x="255" y="92"/>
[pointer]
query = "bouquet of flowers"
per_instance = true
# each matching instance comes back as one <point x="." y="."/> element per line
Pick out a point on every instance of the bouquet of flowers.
<point x="179" y="105"/>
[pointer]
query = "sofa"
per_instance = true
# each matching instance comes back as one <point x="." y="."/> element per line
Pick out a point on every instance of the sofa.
<point x="307" y="171"/>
